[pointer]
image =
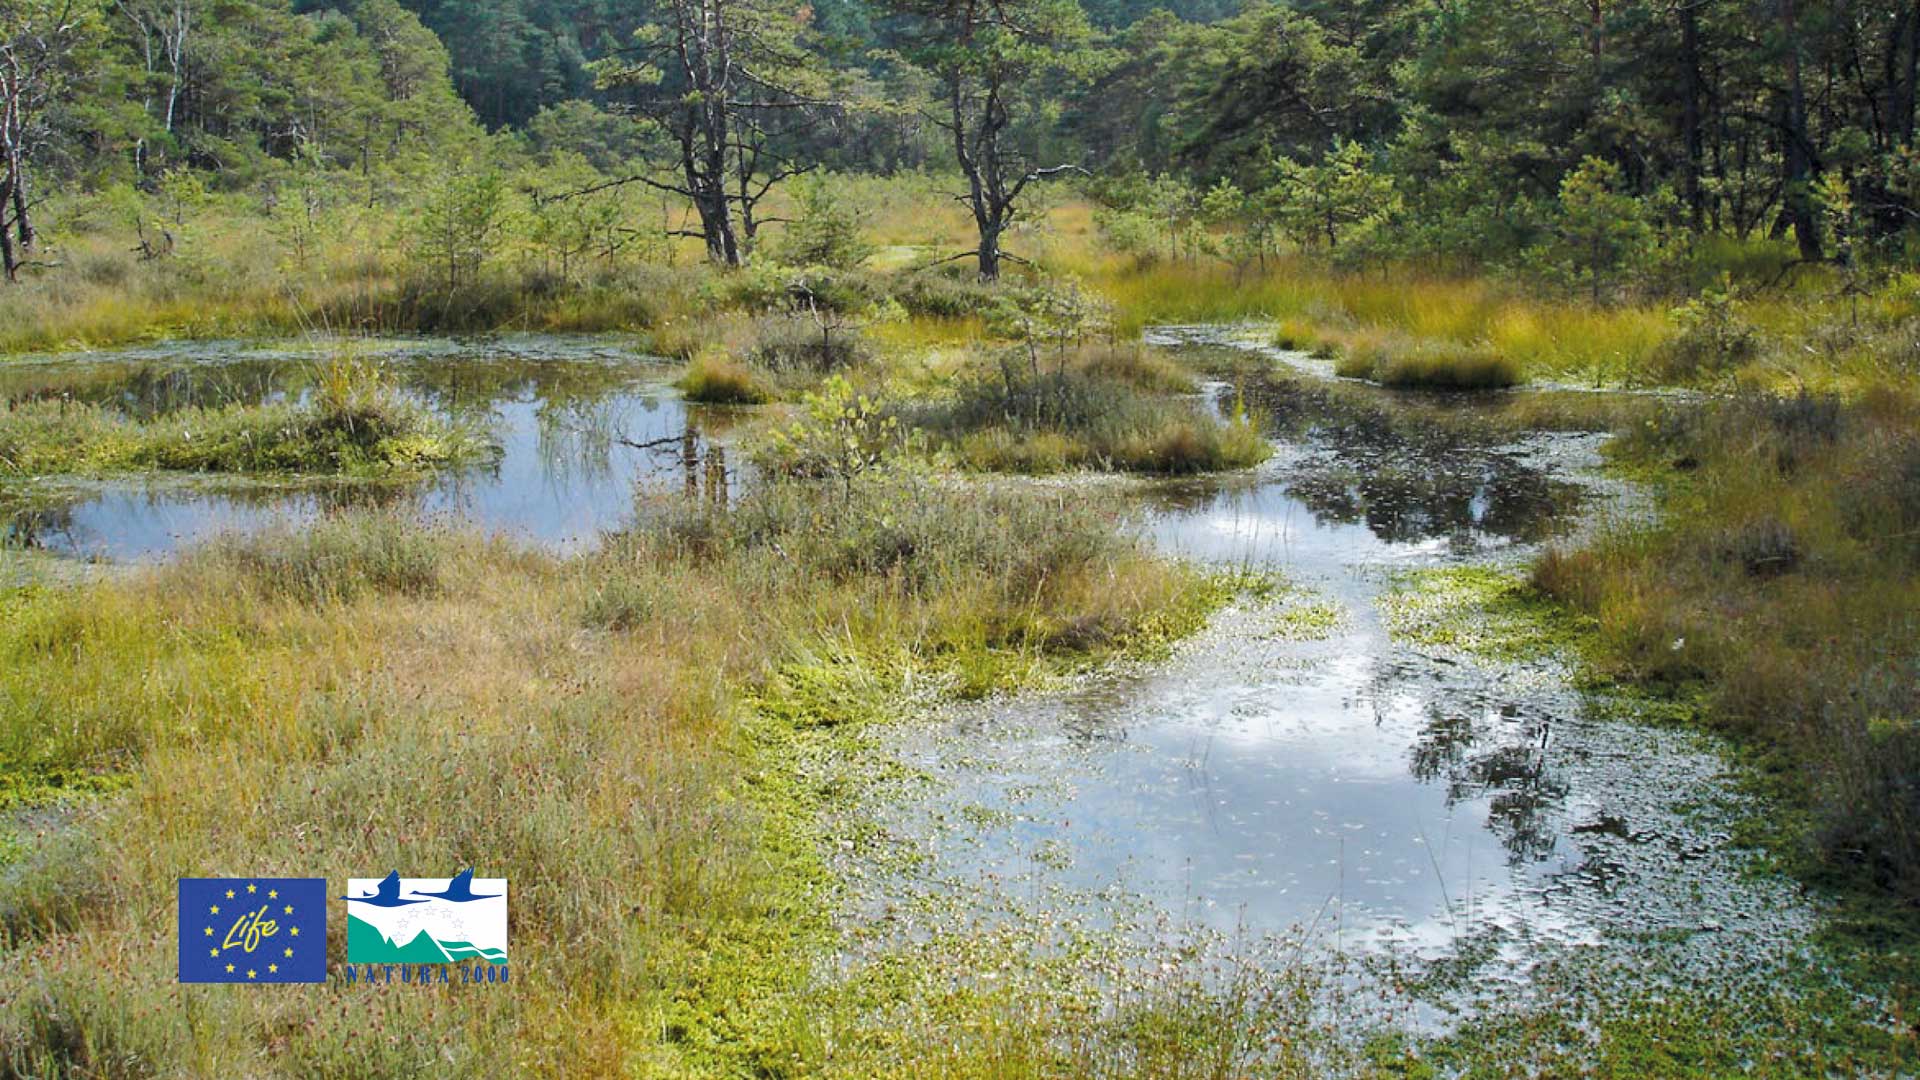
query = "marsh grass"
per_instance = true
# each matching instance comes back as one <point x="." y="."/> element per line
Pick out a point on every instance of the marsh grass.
<point x="233" y="281"/>
<point x="717" y="379"/>
<point x="1399" y="362"/>
<point x="1776" y="597"/>
<point x="1096" y="407"/>
<point x="622" y="735"/>
<point x="355" y="424"/>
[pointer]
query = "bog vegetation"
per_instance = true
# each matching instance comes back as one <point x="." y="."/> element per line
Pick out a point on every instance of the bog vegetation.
<point x="922" y="238"/>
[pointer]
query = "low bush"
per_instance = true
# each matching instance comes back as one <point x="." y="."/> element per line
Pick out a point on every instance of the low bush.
<point x="1710" y="338"/>
<point x="805" y="343"/>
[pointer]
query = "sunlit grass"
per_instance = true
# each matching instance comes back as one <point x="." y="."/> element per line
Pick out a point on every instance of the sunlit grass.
<point x="591" y="722"/>
<point x="717" y="379"/>
<point x="1775" y="599"/>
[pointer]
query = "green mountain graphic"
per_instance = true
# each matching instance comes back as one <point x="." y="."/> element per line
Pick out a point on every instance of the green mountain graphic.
<point x="367" y="945"/>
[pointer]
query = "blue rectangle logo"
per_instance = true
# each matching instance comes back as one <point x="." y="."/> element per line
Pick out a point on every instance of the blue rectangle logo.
<point x="253" y="930"/>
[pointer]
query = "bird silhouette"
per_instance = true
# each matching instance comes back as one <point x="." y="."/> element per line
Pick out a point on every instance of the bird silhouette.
<point x="459" y="890"/>
<point x="386" y="894"/>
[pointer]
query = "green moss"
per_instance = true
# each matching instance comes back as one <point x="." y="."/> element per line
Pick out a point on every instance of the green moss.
<point x="1482" y="612"/>
<point x="1309" y="617"/>
<point x="1807" y="1025"/>
<point x="749" y="999"/>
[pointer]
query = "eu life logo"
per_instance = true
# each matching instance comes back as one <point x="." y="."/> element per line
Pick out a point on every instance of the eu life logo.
<point x="253" y="930"/>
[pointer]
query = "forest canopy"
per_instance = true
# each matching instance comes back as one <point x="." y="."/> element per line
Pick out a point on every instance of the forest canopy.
<point x="1587" y="142"/>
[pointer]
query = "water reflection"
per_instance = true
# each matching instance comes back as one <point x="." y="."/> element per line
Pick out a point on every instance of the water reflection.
<point x="578" y="423"/>
<point x="1263" y="782"/>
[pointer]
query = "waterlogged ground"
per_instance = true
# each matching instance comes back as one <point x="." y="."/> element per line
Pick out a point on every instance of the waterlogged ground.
<point x="565" y="412"/>
<point x="1377" y="767"/>
<point x="1369" y="781"/>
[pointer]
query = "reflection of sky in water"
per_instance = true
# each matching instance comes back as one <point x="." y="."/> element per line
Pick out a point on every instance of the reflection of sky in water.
<point x="1259" y="784"/>
<point x="564" y="475"/>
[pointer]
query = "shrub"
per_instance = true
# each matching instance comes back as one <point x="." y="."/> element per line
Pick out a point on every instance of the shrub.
<point x="840" y="436"/>
<point x="817" y="342"/>
<point x="828" y="229"/>
<point x="1709" y="337"/>
<point x="952" y="295"/>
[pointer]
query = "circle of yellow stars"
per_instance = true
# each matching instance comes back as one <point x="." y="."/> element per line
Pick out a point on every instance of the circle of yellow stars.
<point x="272" y="894"/>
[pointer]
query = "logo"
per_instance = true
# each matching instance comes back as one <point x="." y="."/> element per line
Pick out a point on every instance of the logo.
<point x="253" y="930"/>
<point x="396" y="920"/>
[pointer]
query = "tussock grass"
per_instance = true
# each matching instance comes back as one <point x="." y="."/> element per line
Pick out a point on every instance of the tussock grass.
<point x="1398" y="362"/>
<point x="718" y="379"/>
<point x="1097" y="407"/>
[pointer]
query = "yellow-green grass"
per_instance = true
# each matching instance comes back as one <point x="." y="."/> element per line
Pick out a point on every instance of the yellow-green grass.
<point x="1540" y="338"/>
<point x="354" y="424"/>
<point x="1101" y="407"/>
<point x="230" y="275"/>
<point x="1776" y="599"/>
<point x="1444" y="365"/>
<point x="715" y="378"/>
<point x="619" y="735"/>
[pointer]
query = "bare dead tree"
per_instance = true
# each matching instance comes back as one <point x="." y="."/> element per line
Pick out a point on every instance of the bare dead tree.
<point x="36" y="40"/>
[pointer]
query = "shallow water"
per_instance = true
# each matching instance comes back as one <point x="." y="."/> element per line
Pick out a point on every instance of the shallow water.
<point x="1336" y="783"/>
<point x="563" y="411"/>
<point x="1264" y="782"/>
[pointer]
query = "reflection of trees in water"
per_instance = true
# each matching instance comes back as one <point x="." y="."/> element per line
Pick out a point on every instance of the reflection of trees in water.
<point x="467" y="387"/>
<point x="700" y="462"/>
<point x="462" y="387"/>
<point x="33" y="527"/>
<point x="147" y="390"/>
<point x="1512" y="773"/>
<point x="1410" y="471"/>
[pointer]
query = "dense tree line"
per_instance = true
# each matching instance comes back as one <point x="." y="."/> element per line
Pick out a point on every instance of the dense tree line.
<point x="1577" y="137"/>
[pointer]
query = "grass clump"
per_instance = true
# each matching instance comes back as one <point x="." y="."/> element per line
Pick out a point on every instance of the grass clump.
<point x="1437" y="365"/>
<point x="715" y="378"/>
<point x="1778" y="593"/>
<point x="335" y="559"/>
<point x="1092" y="412"/>
<point x="352" y="425"/>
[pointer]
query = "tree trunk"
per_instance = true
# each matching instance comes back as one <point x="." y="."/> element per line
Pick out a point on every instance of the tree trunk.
<point x="1690" y="186"/>
<point x="22" y="216"/>
<point x="989" y="256"/>
<point x="9" y="261"/>
<point x="1799" y="163"/>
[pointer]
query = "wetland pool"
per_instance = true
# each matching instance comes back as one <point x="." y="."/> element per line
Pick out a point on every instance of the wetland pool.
<point x="1313" y="769"/>
<point x="580" y="423"/>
